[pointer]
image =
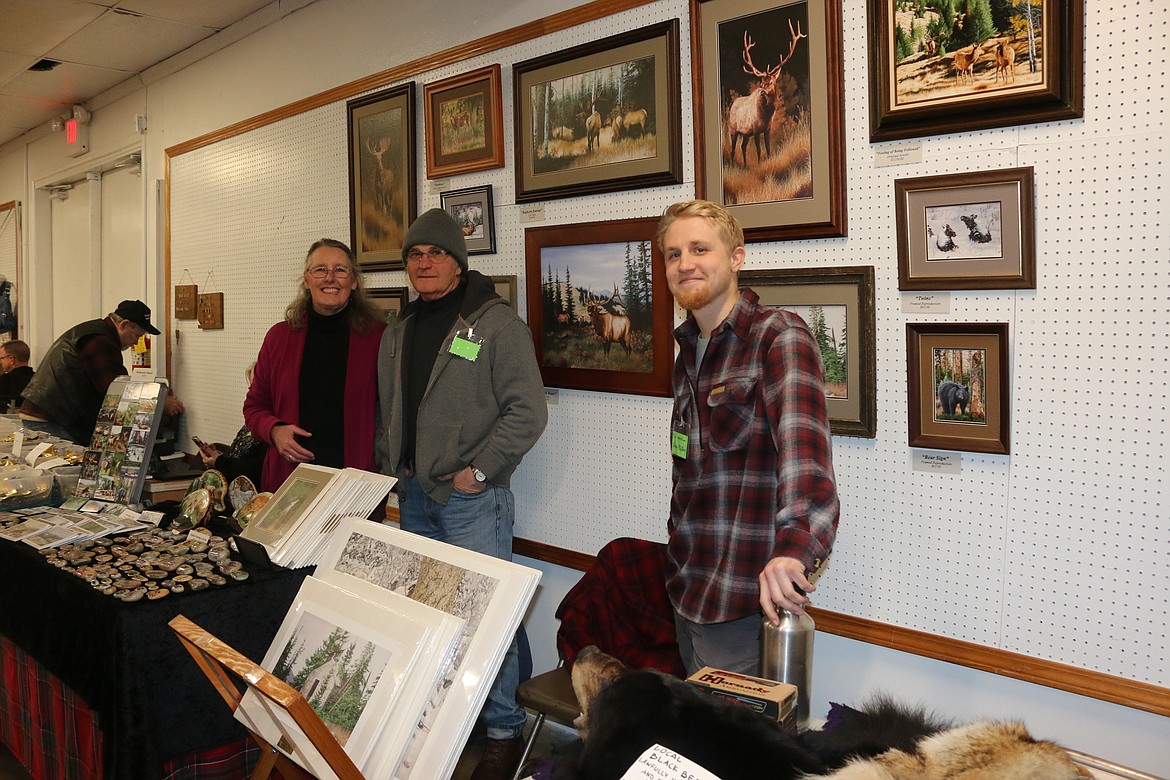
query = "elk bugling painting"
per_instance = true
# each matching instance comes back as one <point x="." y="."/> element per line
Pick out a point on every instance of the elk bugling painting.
<point x="769" y="129"/>
<point x="598" y="306"/>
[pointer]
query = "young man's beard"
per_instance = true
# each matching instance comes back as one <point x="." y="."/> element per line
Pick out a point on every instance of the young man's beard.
<point x="694" y="298"/>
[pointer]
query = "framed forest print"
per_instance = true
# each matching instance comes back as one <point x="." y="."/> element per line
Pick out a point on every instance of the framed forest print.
<point x="769" y="114"/>
<point x="937" y="66"/>
<point x="381" y="176"/>
<point x="837" y="304"/>
<point x="599" y="117"/>
<point x="464" y="123"/>
<point x="389" y="300"/>
<point x="958" y="386"/>
<point x="598" y="306"/>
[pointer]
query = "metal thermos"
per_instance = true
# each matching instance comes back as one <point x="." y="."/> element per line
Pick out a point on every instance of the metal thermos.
<point x="786" y="654"/>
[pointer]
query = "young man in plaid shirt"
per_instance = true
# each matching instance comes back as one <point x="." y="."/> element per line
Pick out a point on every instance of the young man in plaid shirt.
<point x="754" y="508"/>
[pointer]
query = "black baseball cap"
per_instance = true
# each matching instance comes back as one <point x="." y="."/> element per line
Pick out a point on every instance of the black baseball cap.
<point x="138" y="313"/>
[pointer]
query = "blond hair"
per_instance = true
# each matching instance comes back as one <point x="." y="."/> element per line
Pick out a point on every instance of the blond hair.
<point x="719" y="217"/>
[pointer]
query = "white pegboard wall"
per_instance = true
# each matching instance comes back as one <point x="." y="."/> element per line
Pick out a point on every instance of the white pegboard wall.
<point x="1024" y="552"/>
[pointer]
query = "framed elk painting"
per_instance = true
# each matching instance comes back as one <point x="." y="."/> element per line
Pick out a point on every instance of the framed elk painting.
<point x="381" y="176"/>
<point x="966" y="231"/>
<point x="837" y="304"/>
<point x="769" y="114"/>
<point x="464" y="123"/>
<point x="958" y="388"/>
<point x="599" y="117"/>
<point x="937" y="66"/>
<point x="598" y="306"/>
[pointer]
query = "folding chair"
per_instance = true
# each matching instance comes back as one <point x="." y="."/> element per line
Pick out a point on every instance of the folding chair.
<point x="621" y="606"/>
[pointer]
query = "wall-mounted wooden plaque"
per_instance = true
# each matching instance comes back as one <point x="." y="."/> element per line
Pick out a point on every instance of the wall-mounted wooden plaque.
<point x="186" y="301"/>
<point x="211" y="311"/>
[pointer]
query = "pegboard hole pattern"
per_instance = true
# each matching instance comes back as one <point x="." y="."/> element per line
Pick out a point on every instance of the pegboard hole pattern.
<point x="1056" y="551"/>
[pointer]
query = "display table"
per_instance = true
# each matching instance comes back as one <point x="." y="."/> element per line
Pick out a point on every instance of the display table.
<point x="152" y="702"/>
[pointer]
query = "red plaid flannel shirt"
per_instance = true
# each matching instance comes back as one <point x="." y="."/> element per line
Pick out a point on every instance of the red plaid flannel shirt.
<point x="758" y="480"/>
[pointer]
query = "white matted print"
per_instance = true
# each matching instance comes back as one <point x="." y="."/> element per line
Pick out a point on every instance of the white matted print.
<point x="379" y="562"/>
<point x="366" y="670"/>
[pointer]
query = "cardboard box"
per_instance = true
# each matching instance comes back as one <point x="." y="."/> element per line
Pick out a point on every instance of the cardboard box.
<point x="775" y="700"/>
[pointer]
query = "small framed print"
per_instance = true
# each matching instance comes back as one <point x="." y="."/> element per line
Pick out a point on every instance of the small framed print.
<point x="464" y="124"/>
<point x="958" y="386"/>
<point x="390" y="301"/>
<point x="506" y="288"/>
<point x="966" y="231"/>
<point x="472" y="209"/>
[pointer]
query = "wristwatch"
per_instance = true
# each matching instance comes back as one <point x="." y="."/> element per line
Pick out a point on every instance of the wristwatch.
<point x="479" y="475"/>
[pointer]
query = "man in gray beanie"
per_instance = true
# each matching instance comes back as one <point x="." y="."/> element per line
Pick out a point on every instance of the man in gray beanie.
<point x="462" y="401"/>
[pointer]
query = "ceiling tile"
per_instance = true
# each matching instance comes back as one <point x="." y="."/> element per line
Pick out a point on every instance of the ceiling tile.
<point x="128" y="42"/>
<point x="34" y="26"/>
<point x="66" y="83"/>
<point x="208" y="13"/>
<point x="12" y="65"/>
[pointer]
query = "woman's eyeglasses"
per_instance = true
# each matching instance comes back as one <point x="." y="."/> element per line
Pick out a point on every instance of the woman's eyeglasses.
<point x="321" y="271"/>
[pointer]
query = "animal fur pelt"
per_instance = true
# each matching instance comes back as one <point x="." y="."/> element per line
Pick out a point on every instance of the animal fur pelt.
<point x="627" y="712"/>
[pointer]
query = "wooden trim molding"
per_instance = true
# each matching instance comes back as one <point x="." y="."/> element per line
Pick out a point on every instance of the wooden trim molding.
<point x="1062" y="677"/>
<point x="485" y="45"/>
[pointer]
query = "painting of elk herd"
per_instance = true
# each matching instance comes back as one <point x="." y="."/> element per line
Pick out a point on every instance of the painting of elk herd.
<point x="952" y="65"/>
<point x="598" y="306"/>
<point x="381" y="175"/>
<point x="600" y="117"/>
<point x="770" y="123"/>
<point x="463" y="123"/>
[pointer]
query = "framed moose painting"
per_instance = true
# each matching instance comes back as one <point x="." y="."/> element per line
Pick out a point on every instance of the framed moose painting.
<point x="598" y="306"/>
<point x="943" y="67"/>
<point x="769" y="114"/>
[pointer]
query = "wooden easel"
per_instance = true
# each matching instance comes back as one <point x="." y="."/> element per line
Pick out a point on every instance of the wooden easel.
<point x="220" y="663"/>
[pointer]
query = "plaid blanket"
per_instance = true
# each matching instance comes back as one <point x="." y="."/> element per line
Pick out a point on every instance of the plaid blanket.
<point x="620" y="604"/>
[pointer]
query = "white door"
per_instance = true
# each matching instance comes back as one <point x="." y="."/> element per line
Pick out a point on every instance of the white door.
<point x="123" y="268"/>
<point x="74" y="263"/>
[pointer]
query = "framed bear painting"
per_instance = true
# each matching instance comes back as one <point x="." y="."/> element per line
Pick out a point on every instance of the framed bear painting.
<point x="958" y="386"/>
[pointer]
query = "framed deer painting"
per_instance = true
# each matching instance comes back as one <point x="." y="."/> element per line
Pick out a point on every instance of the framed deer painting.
<point x="769" y="114"/>
<point x="381" y="176"/>
<point x="942" y="67"/>
<point x="600" y="117"/>
<point x="464" y="123"/>
<point x="598" y="306"/>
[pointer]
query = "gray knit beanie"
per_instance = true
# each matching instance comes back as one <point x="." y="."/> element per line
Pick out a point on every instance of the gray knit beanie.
<point x="438" y="228"/>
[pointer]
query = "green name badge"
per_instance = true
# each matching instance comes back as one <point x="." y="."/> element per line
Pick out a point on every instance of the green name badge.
<point x="678" y="444"/>
<point x="468" y="350"/>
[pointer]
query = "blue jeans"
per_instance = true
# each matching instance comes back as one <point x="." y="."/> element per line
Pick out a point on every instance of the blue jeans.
<point x="481" y="522"/>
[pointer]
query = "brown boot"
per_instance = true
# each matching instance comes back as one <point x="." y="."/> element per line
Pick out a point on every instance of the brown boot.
<point x="500" y="759"/>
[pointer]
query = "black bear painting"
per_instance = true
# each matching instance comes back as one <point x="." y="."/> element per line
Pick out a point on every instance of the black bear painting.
<point x="952" y="395"/>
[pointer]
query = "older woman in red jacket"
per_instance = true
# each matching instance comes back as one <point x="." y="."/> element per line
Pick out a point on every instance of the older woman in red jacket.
<point x="314" y="395"/>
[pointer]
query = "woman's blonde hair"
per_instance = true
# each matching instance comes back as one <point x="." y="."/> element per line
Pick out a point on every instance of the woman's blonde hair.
<point x="363" y="315"/>
<point x="727" y="225"/>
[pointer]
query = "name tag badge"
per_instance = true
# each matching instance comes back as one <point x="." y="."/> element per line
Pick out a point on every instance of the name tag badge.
<point x="679" y="439"/>
<point x="466" y="344"/>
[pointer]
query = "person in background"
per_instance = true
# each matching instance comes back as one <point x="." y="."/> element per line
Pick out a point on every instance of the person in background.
<point x="463" y="401"/>
<point x="16" y="374"/>
<point x="313" y="397"/>
<point x="65" y="394"/>
<point x="245" y="456"/>
<point x="754" y="507"/>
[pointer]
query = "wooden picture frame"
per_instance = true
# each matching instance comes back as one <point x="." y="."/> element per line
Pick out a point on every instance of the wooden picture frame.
<point x="990" y="72"/>
<point x="800" y="190"/>
<point x="958" y="386"/>
<point x="967" y="231"/>
<point x="472" y="209"/>
<point x="390" y="301"/>
<point x="600" y="117"/>
<point x="837" y="303"/>
<point x="463" y="120"/>
<point x="382" y="201"/>
<point x="506" y="289"/>
<point x="590" y="322"/>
